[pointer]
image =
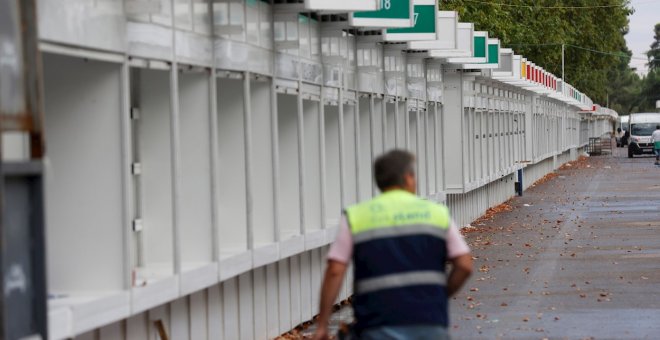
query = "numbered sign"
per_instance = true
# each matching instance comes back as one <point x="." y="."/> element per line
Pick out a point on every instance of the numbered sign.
<point x="342" y="5"/>
<point x="392" y="13"/>
<point x="447" y="31"/>
<point x="480" y="45"/>
<point x="479" y="49"/>
<point x="493" y="52"/>
<point x="424" y="24"/>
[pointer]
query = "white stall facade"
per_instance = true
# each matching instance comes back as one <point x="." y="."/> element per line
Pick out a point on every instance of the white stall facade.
<point x="199" y="153"/>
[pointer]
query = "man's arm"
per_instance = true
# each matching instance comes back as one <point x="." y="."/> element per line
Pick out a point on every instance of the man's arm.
<point x="460" y="272"/>
<point x="332" y="281"/>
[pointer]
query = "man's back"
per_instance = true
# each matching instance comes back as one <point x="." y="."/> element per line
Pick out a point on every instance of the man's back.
<point x="399" y="261"/>
<point x="398" y="244"/>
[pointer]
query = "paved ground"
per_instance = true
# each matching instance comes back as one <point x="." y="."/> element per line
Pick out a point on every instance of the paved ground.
<point x="578" y="257"/>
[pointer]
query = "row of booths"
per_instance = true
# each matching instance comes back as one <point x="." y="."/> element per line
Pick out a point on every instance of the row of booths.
<point x="202" y="151"/>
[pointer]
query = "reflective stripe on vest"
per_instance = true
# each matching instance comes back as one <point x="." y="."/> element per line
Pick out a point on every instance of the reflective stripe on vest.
<point x="400" y="280"/>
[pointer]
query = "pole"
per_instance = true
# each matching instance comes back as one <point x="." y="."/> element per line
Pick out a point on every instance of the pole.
<point x="563" y="78"/>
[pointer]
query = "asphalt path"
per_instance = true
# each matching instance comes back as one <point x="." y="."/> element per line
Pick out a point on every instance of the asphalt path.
<point x="577" y="257"/>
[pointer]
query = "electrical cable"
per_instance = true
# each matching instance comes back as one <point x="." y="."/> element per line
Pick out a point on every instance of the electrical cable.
<point x="622" y="55"/>
<point x="544" y="7"/>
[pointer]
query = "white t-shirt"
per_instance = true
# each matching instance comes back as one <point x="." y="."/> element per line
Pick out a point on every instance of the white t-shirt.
<point x="655" y="137"/>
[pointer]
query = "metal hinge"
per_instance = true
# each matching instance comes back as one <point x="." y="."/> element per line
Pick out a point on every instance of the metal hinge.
<point x="135" y="113"/>
<point x="137" y="225"/>
<point x="136" y="169"/>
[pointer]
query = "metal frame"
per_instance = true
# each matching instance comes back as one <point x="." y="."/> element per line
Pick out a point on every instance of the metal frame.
<point x="440" y="124"/>
<point x="23" y="304"/>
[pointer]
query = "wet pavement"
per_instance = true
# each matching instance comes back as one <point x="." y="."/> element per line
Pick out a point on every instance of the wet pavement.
<point x="578" y="257"/>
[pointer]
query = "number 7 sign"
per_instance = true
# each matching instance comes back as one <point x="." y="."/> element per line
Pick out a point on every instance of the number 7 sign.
<point x="424" y="24"/>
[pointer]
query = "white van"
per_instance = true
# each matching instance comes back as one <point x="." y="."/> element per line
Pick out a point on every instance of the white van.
<point x="642" y="126"/>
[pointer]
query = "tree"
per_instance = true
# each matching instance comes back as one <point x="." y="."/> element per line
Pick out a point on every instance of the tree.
<point x="624" y="87"/>
<point x="536" y="29"/>
<point x="650" y="92"/>
<point x="654" y="53"/>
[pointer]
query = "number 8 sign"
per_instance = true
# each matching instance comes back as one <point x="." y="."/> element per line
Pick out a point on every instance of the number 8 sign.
<point x="393" y="13"/>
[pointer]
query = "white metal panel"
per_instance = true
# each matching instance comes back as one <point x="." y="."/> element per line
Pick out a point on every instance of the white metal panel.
<point x="452" y="141"/>
<point x="401" y="122"/>
<point x="317" y="260"/>
<point x="112" y="331"/>
<point x="284" y="288"/>
<point x="306" y="289"/>
<point x="272" y="301"/>
<point x="83" y="179"/>
<point x="313" y="200"/>
<point x="194" y="49"/>
<point x="180" y="322"/>
<point x="364" y="174"/>
<point x="199" y="316"/>
<point x="332" y="177"/>
<point x="148" y="40"/>
<point x="390" y="118"/>
<point x="136" y="327"/>
<point x="260" y="303"/>
<point x="350" y="166"/>
<point x="342" y="5"/>
<point x="231" y="309"/>
<point x="295" y="286"/>
<point x="232" y="206"/>
<point x="99" y="25"/>
<point x="377" y="130"/>
<point x="246" y="306"/>
<point x="196" y="203"/>
<point x="262" y="163"/>
<point x="289" y="194"/>
<point x="215" y="312"/>
<point x="161" y="313"/>
<point x="154" y="145"/>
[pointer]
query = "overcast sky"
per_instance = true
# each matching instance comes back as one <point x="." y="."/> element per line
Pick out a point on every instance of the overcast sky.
<point x="640" y="37"/>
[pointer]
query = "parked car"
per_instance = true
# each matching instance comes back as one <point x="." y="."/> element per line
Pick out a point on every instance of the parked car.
<point x="642" y="126"/>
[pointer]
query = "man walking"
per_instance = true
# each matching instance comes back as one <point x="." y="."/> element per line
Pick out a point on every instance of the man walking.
<point x="399" y="245"/>
<point x="655" y="139"/>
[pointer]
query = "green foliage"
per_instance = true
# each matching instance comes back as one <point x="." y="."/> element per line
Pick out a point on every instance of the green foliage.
<point x="654" y="53"/>
<point x="624" y="87"/>
<point x="650" y="85"/>
<point x="537" y="32"/>
<point x="650" y="90"/>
